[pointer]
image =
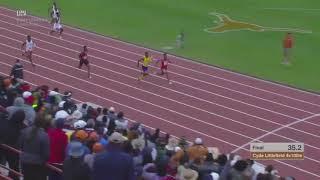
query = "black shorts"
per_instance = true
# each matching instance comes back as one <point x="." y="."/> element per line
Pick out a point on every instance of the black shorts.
<point x="84" y="61"/>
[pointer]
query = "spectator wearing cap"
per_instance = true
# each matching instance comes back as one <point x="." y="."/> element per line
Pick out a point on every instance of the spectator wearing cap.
<point x="121" y="122"/>
<point x="79" y="125"/>
<point x="97" y="148"/>
<point x="17" y="70"/>
<point x="74" y="168"/>
<point x="114" y="163"/>
<point x="57" y="96"/>
<point x="28" y="98"/>
<point x="198" y="150"/>
<point x="34" y="143"/>
<point x="80" y="136"/>
<point x="186" y="173"/>
<point x="62" y="113"/>
<point x="92" y="139"/>
<point x="28" y="110"/>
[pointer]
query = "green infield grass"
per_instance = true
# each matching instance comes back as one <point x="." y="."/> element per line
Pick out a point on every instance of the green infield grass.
<point x="156" y="24"/>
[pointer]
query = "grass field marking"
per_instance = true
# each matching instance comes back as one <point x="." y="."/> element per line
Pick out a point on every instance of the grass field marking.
<point x="227" y="24"/>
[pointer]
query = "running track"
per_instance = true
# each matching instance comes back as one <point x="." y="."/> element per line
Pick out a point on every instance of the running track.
<point x="225" y="109"/>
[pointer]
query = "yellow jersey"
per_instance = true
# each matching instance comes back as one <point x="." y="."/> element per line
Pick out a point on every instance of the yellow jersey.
<point x="146" y="61"/>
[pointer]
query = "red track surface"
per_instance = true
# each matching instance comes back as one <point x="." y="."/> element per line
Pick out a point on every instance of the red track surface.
<point x="226" y="109"/>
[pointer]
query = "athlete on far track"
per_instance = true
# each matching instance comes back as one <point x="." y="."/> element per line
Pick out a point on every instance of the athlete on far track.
<point x="54" y="12"/>
<point x="83" y="57"/>
<point x="29" y="45"/>
<point x="57" y="27"/>
<point x="145" y="60"/>
<point x="164" y="66"/>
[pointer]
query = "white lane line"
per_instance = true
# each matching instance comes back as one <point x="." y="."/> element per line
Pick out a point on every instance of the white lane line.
<point x="183" y="67"/>
<point x="161" y="77"/>
<point x="170" y="98"/>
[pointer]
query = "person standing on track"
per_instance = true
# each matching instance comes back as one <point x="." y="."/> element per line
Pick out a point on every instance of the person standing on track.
<point x="287" y="46"/>
<point x="29" y="45"/>
<point x="57" y="27"/>
<point x="83" y="57"/>
<point x="164" y="66"/>
<point x="146" y="60"/>
<point x="17" y="70"/>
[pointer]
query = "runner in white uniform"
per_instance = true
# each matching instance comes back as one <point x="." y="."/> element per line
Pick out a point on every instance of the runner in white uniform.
<point x="57" y="27"/>
<point x="29" y="45"/>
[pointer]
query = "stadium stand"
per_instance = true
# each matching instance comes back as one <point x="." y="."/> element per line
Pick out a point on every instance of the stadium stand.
<point x="54" y="137"/>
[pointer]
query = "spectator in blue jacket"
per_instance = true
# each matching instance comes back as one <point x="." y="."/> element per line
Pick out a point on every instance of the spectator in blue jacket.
<point x="114" y="164"/>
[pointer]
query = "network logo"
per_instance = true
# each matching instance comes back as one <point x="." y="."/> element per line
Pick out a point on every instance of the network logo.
<point x="21" y="13"/>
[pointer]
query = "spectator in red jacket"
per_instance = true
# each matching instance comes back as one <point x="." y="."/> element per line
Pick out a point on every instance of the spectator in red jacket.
<point x="58" y="143"/>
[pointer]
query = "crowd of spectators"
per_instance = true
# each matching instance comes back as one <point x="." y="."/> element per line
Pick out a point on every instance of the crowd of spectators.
<point x="93" y="143"/>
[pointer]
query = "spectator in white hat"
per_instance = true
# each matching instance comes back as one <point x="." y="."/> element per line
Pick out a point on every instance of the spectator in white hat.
<point x="62" y="114"/>
<point x="80" y="124"/>
<point x="186" y="173"/>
